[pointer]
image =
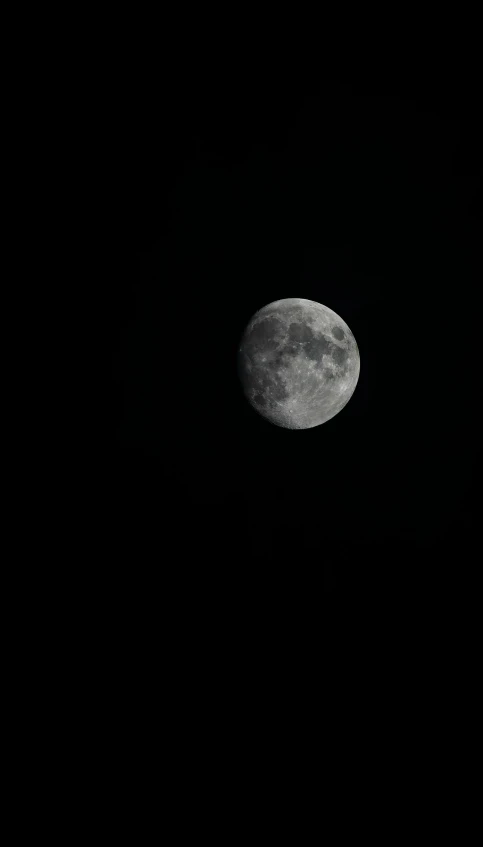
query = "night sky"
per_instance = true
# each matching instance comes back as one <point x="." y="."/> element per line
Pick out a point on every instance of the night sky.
<point x="229" y="192"/>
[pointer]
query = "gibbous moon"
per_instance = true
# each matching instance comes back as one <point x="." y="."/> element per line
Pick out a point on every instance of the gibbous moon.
<point x="298" y="363"/>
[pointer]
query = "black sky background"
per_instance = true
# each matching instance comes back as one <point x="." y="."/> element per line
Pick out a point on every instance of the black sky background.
<point x="228" y="192"/>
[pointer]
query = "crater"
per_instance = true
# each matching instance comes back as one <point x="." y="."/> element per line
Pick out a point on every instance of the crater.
<point x="338" y="333"/>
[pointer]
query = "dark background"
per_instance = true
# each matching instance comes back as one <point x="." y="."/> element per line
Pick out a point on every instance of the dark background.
<point x="221" y="192"/>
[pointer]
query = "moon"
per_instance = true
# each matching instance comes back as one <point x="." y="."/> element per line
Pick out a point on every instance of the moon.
<point x="298" y="363"/>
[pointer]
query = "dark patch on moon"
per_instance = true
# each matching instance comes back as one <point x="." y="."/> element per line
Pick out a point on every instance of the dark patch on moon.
<point x="263" y="336"/>
<point x="260" y="400"/>
<point x="266" y="385"/>
<point x="261" y="381"/>
<point x="329" y="374"/>
<point x="317" y="348"/>
<point x="300" y="332"/>
<point x="338" y="333"/>
<point x="277" y="361"/>
<point x="339" y="355"/>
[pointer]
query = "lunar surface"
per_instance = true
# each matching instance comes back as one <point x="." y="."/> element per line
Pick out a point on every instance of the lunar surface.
<point x="298" y="363"/>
